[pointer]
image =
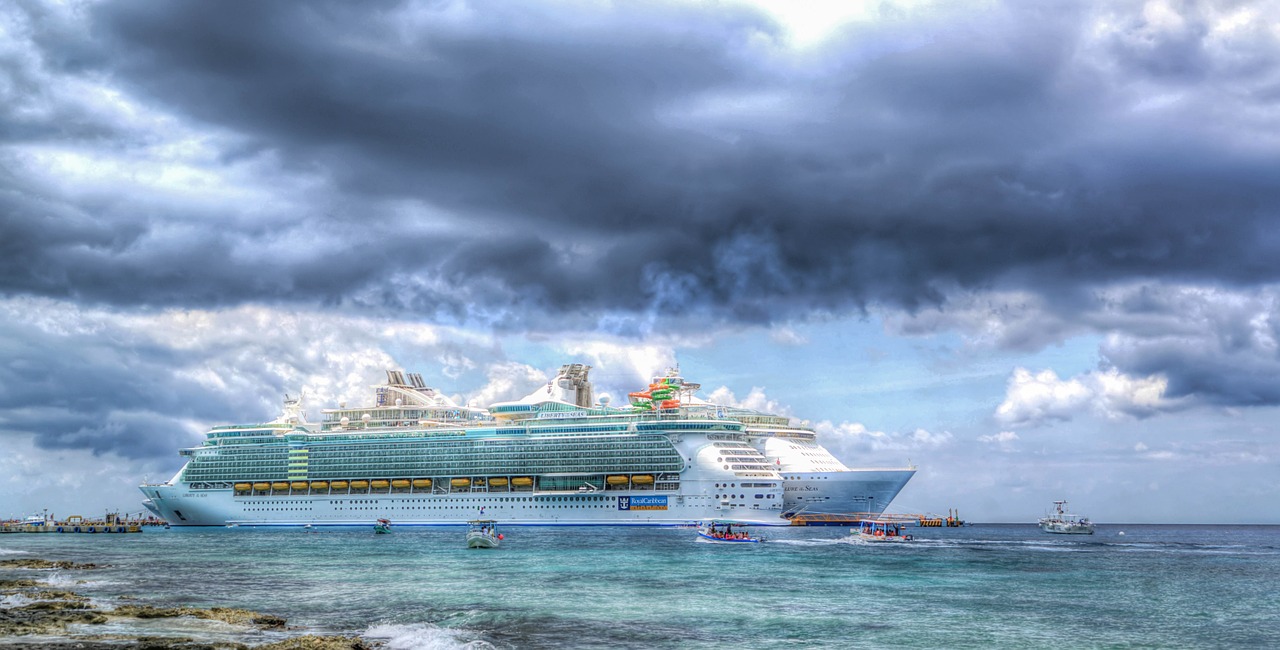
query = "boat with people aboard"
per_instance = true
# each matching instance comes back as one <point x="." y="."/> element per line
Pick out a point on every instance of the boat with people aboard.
<point x="880" y="530"/>
<point x="382" y="526"/>
<point x="557" y="456"/>
<point x="727" y="532"/>
<point x="483" y="533"/>
<point x="1063" y="522"/>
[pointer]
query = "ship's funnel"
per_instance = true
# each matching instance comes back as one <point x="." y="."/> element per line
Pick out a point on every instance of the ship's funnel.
<point x="572" y="380"/>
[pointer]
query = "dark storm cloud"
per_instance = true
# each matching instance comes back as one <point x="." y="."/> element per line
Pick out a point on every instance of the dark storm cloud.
<point x="102" y="394"/>
<point x="1222" y="349"/>
<point x="673" y="159"/>
<point x="987" y="152"/>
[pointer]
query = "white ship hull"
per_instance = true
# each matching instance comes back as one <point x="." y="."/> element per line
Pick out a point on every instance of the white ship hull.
<point x="844" y="491"/>
<point x="183" y="506"/>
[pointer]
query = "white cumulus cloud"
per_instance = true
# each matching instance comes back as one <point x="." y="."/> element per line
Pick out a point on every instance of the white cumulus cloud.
<point x="1002" y="438"/>
<point x="755" y="400"/>
<point x="854" y="439"/>
<point x="1035" y="398"/>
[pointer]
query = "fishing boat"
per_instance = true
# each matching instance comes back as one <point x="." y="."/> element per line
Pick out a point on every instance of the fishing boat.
<point x="383" y="526"/>
<point x="878" y="530"/>
<point x="1062" y="522"/>
<point x="483" y="533"/>
<point x="727" y="532"/>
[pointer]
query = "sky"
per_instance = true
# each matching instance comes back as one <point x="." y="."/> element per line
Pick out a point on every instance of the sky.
<point x="1031" y="248"/>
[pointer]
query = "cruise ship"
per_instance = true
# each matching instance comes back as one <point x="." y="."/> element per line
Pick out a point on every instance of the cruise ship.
<point x="558" y="456"/>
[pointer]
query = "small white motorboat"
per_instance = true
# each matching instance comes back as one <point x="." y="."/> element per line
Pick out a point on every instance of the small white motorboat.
<point x="483" y="533"/>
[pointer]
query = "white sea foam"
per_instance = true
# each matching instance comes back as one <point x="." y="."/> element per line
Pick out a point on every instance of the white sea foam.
<point x="422" y="636"/>
<point x="60" y="579"/>
<point x="11" y="551"/>
<point x="805" y="542"/>
<point x="14" y="600"/>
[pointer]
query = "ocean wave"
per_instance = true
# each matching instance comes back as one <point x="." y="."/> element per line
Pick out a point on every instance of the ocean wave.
<point x="422" y="636"/>
<point x="60" y="579"/>
<point x="805" y="542"/>
<point x="12" y="551"/>
<point x="14" y="600"/>
<point x="854" y="540"/>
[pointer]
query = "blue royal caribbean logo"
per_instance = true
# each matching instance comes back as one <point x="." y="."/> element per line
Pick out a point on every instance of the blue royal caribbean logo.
<point x="642" y="503"/>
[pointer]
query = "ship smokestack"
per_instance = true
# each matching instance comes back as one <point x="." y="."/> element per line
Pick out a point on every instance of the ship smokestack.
<point x="573" y="377"/>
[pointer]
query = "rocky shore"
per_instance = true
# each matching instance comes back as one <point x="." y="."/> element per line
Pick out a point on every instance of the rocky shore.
<point x="29" y="608"/>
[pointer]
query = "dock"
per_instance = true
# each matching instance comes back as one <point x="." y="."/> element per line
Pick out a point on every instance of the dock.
<point x="847" y="518"/>
<point x="952" y="519"/>
<point x="75" y="524"/>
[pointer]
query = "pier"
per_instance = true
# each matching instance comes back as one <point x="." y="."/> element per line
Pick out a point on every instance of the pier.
<point x="111" y="523"/>
<point x="848" y="518"/>
<point x="952" y="520"/>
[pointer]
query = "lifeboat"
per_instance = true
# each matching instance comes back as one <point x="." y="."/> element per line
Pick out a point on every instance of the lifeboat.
<point x="262" y="486"/>
<point x="460" y="482"/>
<point x="381" y="484"/>
<point x="421" y="482"/>
<point x="522" y="481"/>
<point x="359" y="485"/>
<point x="243" y="487"/>
<point x="398" y="484"/>
<point x="498" y="482"/>
<point x="616" y="480"/>
<point x="319" y="485"/>
<point x="280" y="485"/>
<point x="299" y="485"/>
<point x="642" y="479"/>
<point x="338" y="485"/>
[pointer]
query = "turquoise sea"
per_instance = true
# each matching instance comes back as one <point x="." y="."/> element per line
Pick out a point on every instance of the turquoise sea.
<point x="981" y="586"/>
